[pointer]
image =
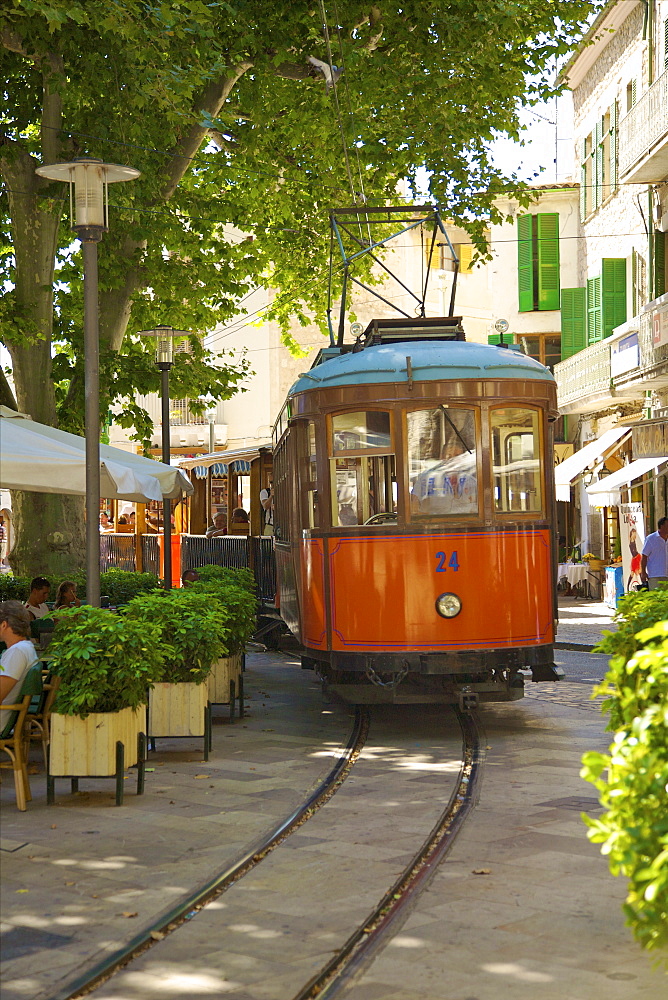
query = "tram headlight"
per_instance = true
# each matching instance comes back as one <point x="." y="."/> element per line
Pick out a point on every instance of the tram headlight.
<point x="448" y="605"/>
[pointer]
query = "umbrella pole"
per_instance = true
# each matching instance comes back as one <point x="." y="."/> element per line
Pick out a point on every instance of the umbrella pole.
<point x="92" y="416"/>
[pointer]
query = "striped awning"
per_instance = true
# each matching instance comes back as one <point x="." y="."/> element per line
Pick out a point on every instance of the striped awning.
<point x="240" y="466"/>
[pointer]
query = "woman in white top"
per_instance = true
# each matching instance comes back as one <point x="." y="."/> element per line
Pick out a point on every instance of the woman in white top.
<point x="19" y="655"/>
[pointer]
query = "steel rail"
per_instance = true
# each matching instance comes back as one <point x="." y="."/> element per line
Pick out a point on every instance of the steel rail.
<point x="166" y="923"/>
<point x="371" y="935"/>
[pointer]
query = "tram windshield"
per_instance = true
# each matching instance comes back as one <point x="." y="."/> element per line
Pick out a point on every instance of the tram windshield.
<point x="363" y="469"/>
<point x="515" y="436"/>
<point x="442" y="463"/>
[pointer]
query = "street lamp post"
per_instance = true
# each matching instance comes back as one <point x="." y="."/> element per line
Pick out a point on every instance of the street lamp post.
<point x="164" y="359"/>
<point x="89" y="210"/>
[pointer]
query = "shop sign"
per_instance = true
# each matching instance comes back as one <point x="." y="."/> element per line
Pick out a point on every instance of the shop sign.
<point x="632" y="537"/>
<point x="650" y="439"/>
<point x="624" y="355"/>
<point x="562" y="451"/>
<point x="660" y="322"/>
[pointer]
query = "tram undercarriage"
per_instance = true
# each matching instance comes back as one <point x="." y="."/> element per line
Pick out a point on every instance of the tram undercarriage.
<point x="460" y="678"/>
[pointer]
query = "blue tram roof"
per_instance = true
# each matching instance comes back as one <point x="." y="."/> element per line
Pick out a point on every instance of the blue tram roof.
<point x="431" y="361"/>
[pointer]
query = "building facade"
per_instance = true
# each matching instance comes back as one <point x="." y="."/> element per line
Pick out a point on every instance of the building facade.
<point x="614" y="368"/>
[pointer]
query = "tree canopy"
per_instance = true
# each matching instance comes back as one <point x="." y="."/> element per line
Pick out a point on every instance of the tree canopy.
<point x="243" y="148"/>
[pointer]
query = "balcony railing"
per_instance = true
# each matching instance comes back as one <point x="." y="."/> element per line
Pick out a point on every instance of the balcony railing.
<point x="645" y="125"/>
<point x="586" y="373"/>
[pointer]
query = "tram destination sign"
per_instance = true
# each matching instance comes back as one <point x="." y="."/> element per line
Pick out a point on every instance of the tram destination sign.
<point x="650" y="439"/>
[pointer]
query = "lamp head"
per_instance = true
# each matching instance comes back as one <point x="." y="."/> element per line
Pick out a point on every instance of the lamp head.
<point x="88" y="180"/>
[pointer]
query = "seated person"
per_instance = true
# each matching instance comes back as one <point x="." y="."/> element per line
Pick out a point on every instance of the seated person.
<point x="189" y="577"/>
<point x="218" y="527"/>
<point x="449" y="487"/>
<point x="19" y="655"/>
<point x="106" y="525"/>
<point x="66" y="596"/>
<point x="239" y="523"/>
<point x="39" y="591"/>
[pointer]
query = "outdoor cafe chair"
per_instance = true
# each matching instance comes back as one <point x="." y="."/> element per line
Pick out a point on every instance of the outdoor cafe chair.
<point x="13" y="736"/>
<point x="39" y="712"/>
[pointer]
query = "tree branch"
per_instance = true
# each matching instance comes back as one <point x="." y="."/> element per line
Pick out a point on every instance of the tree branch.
<point x="211" y="101"/>
<point x="13" y="43"/>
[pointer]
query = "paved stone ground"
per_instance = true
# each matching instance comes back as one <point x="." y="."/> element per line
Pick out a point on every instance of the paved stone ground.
<point x="582" y="623"/>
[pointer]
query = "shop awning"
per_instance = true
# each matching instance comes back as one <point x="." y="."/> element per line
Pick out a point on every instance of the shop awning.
<point x="222" y="462"/>
<point x="570" y="469"/>
<point x="606" y="492"/>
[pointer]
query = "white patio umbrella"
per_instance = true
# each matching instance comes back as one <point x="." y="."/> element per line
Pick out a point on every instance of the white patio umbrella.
<point x="46" y="460"/>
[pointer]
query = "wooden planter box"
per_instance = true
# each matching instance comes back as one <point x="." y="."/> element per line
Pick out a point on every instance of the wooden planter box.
<point x="87" y="747"/>
<point x="177" y="709"/>
<point x="596" y="564"/>
<point x="102" y="745"/>
<point x="224" y="671"/>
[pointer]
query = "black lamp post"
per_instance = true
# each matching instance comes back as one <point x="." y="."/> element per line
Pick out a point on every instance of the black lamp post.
<point x="164" y="359"/>
<point x="88" y="218"/>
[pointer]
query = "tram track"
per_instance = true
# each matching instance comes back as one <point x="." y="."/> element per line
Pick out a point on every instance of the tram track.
<point x="166" y="924"/>
<point x="385" y="919"/>
<point x="374" y="928"/>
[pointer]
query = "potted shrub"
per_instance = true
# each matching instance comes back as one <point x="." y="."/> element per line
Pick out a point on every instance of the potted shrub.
<point x="193" y="627"/>
<point x="105" y="663"/>
<point x="240" y="605"/>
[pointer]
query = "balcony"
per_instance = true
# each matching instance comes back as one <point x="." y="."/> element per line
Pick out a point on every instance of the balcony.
<point x="643" y="137"/>
<point x="584" y="380"/>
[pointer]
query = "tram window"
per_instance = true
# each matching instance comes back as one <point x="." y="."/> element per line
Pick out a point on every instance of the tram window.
<point x="442" y="469"/>
<point x="516" y="460"/>
<point x="362" y="488"/>
<point x="352" y="432"/>
<point x="307" y="474"/>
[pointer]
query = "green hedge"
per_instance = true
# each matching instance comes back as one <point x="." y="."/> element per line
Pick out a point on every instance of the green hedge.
<point x="118" y="585"/>
<point x="105" y="661"/>
<point x="632" y="778"/>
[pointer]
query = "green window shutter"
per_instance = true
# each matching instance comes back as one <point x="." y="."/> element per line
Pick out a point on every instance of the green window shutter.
<point x="584" y="194"/>
<point x="495" y="339"/>
<point x="525" y="281"/>
<point x="548" y="260"/>
<point x="614" y="165"/>
<point x="665" y="44"/>
<point x="613" y="293"/>
<point x="659" y="264"/>
<point x="594" y="328"/>
<point x="573" y="321"/>
<point x="598" y="166"/>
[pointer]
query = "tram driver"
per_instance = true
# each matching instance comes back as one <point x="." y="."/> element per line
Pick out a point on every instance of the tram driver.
<point x="450" y="486"/>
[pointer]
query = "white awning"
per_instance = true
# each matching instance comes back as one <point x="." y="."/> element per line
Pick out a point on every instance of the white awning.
<point x="37" y="457"/>
<point x="570" y="469"/>
<point x="606" y="492"/>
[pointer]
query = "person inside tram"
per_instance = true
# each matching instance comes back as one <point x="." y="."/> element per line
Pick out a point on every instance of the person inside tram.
<point x="450" y="486"/>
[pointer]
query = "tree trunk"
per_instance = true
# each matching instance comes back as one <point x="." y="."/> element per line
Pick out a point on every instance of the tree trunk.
<point x="49" y="528"/>
<point x="49" y="535"/>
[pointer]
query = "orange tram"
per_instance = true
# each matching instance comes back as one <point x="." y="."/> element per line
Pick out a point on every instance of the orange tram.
<point x="414" y="518"/>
